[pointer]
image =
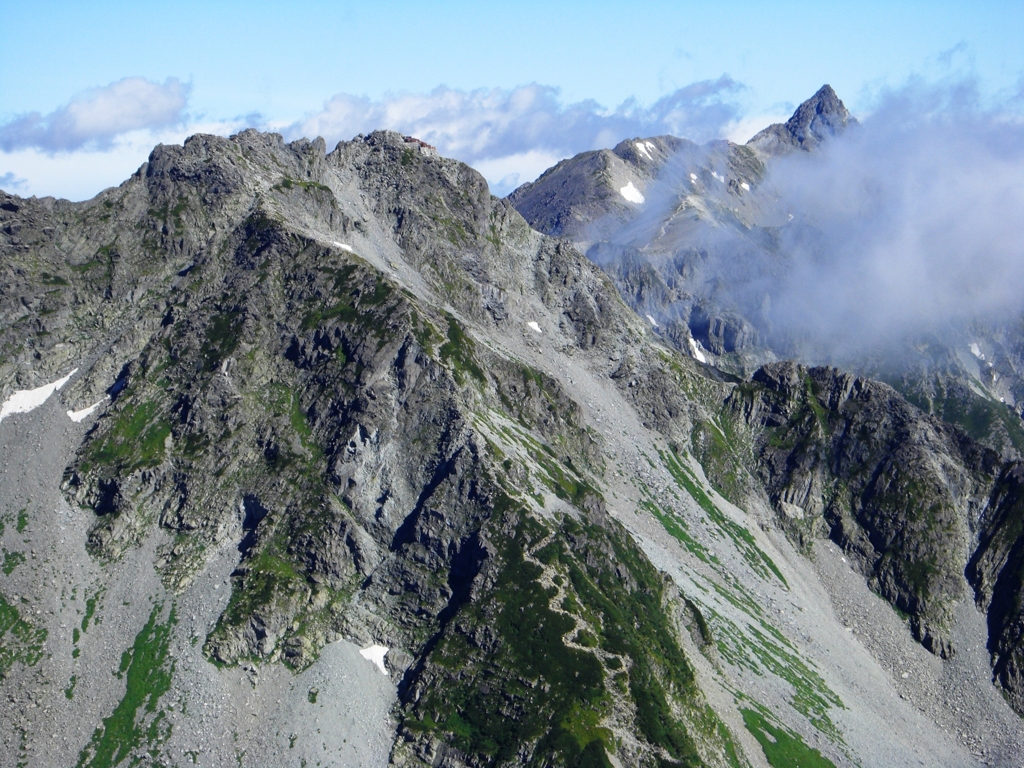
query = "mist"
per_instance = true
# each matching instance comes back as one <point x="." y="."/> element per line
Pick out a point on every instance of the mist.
<point x="910" y="223"/>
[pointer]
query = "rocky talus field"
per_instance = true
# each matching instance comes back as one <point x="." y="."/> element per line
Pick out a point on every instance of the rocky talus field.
<point x="316" y="458"/>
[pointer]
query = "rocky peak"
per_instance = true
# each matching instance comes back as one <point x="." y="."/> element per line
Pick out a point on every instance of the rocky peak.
<point x="821" y="116"/>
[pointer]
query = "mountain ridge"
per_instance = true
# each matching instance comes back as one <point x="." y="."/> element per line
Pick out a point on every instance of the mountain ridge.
<point x="361" y="394"/>
<point x="816" y="120"/>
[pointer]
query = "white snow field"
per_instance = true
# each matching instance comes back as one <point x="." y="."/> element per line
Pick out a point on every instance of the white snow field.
<point x="25" y="400"/>
<point x="632" y="194"/>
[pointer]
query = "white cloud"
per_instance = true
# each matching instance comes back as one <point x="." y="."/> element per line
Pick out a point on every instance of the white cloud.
<point x="511" y="171"/>
<point x="11" y="183"/>
<point x="82" y="174"/>
<point x="506" y="134"/>
<point x="510" y="135"/>
<point x="912" y="221"/>
<point x="97" y="117"/>
<point x="744" y="128"/>
<point x="909" y="224"/>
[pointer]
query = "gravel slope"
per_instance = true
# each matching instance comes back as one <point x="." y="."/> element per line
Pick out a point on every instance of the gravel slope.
<point x="218" y="717"/>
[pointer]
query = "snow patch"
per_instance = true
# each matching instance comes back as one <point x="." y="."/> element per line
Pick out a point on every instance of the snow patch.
<point x="746" y="187"/>
<point x="344" y="247"/>
<point x="696" y="350"/>
<point x="653" y="321"/>
<point x="25" y="400"/>
<point x="376" y="654"/>
<point x="77" y="416"/>
<point x="976" y="350"/>
<point x="693" y="178"/>
<point x="642" y="149"/>
<point x="720" y="178"/>
<point x="534" y="326"/>
<point x="631" y="193"/>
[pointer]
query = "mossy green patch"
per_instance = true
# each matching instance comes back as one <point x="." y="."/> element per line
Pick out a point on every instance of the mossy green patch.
<point x="136" y="721"/>
<point x="782" y="748"/>
<point x="136" y="439"/>
<point x="741" y="537"/>
<point x="48" y="279"/>
<point x="458" y="352"/>
<point x="716" y="448"/>
<point x="287" y="183"/>
<point x="759" y="647"/>
<point x="678" y="528"/>
<point x="11" y="561"/>
<point x="20" y="641"/>
<point x="90" y="609"/>
<point x="222" y="336"/>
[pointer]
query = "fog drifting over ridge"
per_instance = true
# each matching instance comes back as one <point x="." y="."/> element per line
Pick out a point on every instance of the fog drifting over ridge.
<point x="911" y="222"/>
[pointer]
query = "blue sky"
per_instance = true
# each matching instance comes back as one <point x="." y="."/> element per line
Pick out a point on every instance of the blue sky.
<point x="86" y="88"/>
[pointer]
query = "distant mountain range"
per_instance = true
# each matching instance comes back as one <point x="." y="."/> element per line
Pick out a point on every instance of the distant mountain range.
<point x="279" y="420"/>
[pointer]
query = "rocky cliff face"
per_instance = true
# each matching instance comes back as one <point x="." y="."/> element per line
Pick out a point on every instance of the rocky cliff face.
<point x="996" y="571"/>
<point x="816" y="120"/>
<point x="900" y="491"/>
<point x="914" y="501"/>
<point x="366" y="398"/>
<point x="301" y="354"/>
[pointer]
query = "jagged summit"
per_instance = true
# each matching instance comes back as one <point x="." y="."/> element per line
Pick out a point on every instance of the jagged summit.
<point x="821" y="116"/>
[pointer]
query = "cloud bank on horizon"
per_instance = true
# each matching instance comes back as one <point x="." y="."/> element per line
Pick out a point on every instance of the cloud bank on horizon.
<point x="499" y="130"/>
<point x="97" y="117"/>
<point x="510" y="135"/>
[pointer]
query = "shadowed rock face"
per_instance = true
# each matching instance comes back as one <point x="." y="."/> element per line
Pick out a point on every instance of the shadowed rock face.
<point x="913" y="500"/>
<point x="996" y="571"/>
<point x="900" y="491"/>
<point x="819" y="118"/>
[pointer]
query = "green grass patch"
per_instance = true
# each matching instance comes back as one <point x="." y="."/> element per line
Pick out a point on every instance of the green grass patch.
<point x="135" y="722"/>
<point x="22" y="523"/>
<point x="11" y="561"/>
<point x="759" y="647"/>
<point x="20" y="641"/>
<point x="223" y="334"/>
<point x="48" y="279"/>
<point x="741" y="537"/>
<point x="287" y="183"/>
<point x="782" y="748"/>
<point x="90" y="609"/>
<point x="677" y="527"/>
<point x="458" y="352"/>
<point x="136" y="439"/>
